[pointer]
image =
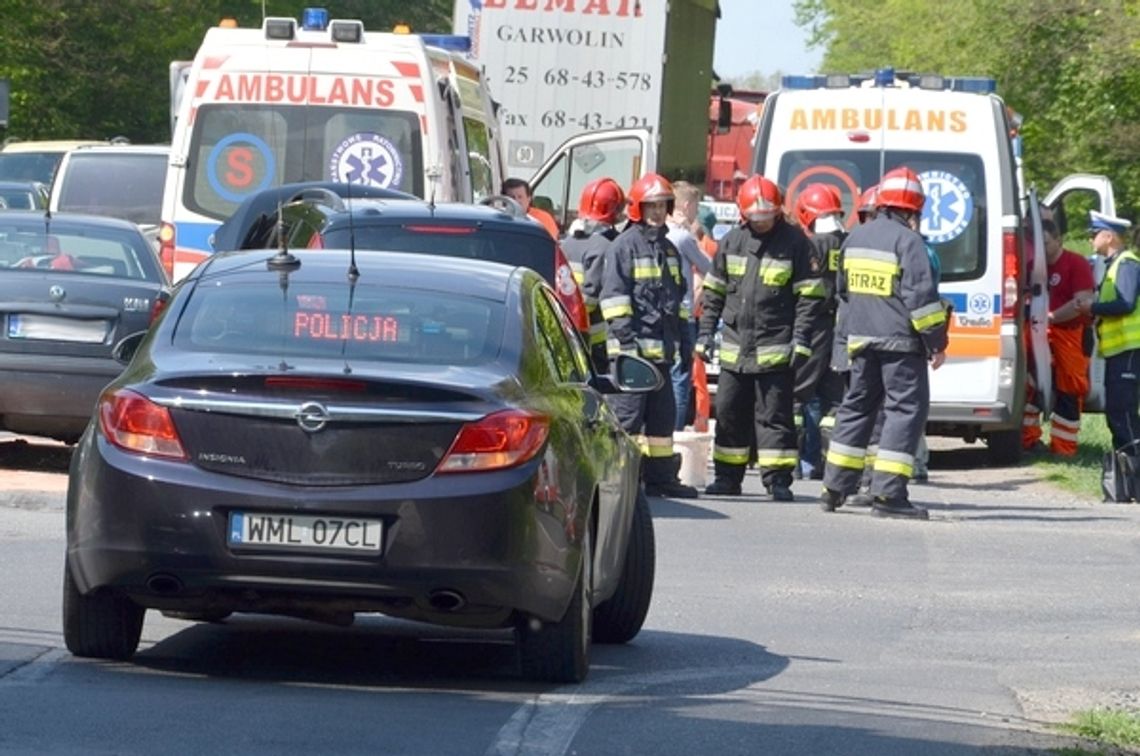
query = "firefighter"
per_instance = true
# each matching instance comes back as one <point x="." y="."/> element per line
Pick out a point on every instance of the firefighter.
<point x="764" y="288"/>
<point x="641" y="295"/>
<point x="819" y="389"/>
<point x="894" y="324"/>
<point x="599" y="206"/>
<point x="1117" y="326"/>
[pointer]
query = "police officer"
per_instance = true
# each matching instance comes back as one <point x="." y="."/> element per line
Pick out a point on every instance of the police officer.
<point x="819" y="389"/>
<point x="894" y="324"/>
<point x="1117" y="326"/>
<point x="642" y="290"/>
<point x="591" y="234"/>
<point x="764" y="288"/>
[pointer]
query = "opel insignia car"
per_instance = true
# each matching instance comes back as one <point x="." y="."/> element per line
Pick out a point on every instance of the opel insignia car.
<point x="71" y="286"/>
<point x="321" y="433"/>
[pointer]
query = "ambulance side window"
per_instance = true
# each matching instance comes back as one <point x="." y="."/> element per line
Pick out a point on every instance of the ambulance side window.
<point x="479" y="156"/>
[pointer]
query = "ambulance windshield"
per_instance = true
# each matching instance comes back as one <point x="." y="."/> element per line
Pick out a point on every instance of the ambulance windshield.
<point x="953" y="218"/>
<point x="237" y="150"/>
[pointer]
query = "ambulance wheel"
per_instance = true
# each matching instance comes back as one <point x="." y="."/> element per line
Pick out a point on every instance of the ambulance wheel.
<point x="1004" y="447"/>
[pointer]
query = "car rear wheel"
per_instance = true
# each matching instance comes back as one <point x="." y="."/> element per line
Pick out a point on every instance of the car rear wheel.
<point x="102" y="625"/>
<point x="560" y="651"/>
<point x="620" y="617"/>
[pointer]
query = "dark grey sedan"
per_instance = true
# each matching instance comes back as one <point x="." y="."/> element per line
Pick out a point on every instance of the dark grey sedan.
<point x="319" y="434"/>
<point x="71" y="286"/>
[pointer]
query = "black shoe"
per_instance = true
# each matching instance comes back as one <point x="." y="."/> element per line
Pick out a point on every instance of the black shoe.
<point x="860" y="500"/>
<point x="722" y="487"/>
<point x="816" y="473"/>
<point x="829" y="500"/>
<point x="921" y="477"/>
<point x="780" y="492"/>
<point x="900" y="508"/>
<point x="671" y="490"/>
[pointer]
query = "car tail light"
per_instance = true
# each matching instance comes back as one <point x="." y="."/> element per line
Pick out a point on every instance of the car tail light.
<point x="166" y="248"/>
<point x="131" y="421"/>
<point x="159" y="304"/>
<point x="568" y="292"/>
<point x="303" y="383"/>
<point x="419" y="229"/>
<point x="1010" y="275"/>
<point x="496" y="442"/>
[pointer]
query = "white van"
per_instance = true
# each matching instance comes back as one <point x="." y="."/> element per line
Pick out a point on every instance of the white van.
<point x="119" y="180"/>
<point x="962" y="141"/>
<point x="323" y="100"/>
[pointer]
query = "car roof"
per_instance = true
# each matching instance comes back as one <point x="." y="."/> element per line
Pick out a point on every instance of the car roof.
<point x="62" y="218"/>
<point x="449" y="275"/>
<point x="401" y="211"/>
<point x="123" y="149"/>
<point x="50" y="145"/>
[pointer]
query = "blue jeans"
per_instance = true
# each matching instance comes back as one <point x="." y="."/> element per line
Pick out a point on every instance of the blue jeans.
<point x="682" y="374"/>
<point x="811" y="447"/>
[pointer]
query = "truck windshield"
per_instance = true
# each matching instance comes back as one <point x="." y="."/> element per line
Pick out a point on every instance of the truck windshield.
<point x="953" y="218"/>
<point x="235" y="151"/>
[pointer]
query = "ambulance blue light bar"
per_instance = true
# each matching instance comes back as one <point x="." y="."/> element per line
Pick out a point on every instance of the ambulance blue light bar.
<point x="453" y="42"/>
<point x="886" y="77"/>
<point x="315" y="19"/>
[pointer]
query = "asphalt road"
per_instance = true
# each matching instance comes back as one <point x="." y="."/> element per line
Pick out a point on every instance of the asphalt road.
<point x="775" y="629"/>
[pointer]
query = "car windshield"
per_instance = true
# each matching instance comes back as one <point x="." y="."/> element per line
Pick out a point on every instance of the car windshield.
<point x="71" y="248"/>
<point x="363" y="323"/>
<point x="29" y="166"/>
<point x="953" y="218"/>
<point x="121" y="185"/>
<point x="533" y="251"/>
<point x="237" y="150"/>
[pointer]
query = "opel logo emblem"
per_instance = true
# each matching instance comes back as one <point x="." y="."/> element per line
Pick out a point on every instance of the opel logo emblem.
<point x="312" y="417"/>
<point x="57" y="293"/>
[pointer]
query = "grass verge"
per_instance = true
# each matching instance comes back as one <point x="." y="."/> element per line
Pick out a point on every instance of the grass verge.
<point x="1112" y="727"/>
<point x="1080" y="474"/>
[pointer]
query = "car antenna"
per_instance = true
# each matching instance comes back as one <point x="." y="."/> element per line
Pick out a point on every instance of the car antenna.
<point x="433" y="176"/>
<point x="284" y="261"/>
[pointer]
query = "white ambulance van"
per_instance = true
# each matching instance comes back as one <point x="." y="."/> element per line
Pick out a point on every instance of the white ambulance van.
<point x="327" y="100"/>
<point x="961" y="139"/>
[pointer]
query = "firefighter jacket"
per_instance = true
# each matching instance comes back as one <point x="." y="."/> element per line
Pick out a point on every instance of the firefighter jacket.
<point x="642" y="290"/>
<point x="890" y="297"/>
<point x="825" y="256"/>
<point x="764" y="289"/>
<point x="585" y="251"/>
<point x="1118" y="317"/>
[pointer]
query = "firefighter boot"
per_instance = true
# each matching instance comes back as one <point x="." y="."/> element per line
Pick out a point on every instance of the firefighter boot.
<point x="899" y="508"/>
<point x="830" y="500"/>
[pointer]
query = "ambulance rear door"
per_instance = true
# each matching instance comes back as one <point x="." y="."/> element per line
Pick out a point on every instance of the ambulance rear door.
<point x="1070" y="200"/>
<point x="624" y="155"/>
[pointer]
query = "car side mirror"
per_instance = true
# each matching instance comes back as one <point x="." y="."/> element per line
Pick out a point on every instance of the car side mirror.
<point x="634" y="375"/>
<point x="124" y="351"/>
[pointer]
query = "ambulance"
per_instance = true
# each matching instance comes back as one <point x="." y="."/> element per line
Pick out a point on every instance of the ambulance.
<point x="321" y="99"/>
<point x="962" y="141"/>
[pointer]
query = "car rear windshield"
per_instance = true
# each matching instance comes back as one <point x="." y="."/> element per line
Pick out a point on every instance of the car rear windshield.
<point x="362" y="323"/>
<point x="29" y="166"/>
<point x="953" y="218"/>
<point x="121" y="185"/>
<point x="533" y="251"/>
<point x="70" y="248"/>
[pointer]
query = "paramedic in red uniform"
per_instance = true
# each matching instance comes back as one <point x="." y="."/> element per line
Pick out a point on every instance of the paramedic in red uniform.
<point x="521" y="192"/>
<point x="1070" y="279"/>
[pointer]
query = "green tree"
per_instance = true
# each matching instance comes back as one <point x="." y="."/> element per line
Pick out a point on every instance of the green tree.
<point x="100" y="68"/>
<point x="1070" y="67"/>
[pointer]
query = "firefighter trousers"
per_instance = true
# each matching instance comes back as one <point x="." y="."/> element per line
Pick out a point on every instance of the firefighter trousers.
<point x="759" y="403"/>
<point x="649" y="418"/>
<point x="898" y="385"/>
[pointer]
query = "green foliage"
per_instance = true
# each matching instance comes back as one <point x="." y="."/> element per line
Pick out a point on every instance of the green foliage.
<point x="100" y="68"/>
<point x="1070" y="67"/>
<point x="1081" y="474"/>
<point x="1113" y="726"/>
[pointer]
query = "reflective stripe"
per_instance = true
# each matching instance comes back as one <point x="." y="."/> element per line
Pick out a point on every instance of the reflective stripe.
<point x="729" y="354"/>
<point x="843" y="455"/>
<point x="777" y="457"/>
<point x="598" y="333"/>
<point x="579" y="272"/>
<point x="712" y="283"/>
<point x="898" y="463"/>
<point x="873" y="258"/>
<point x="645" y="269"/>
<point x="771" y="356"/>
<point x="731" y="455"/>
<point x="928" y="316"/>
<point x="659" y="446"/>
<point x="801" y="349"/>
<point x="775" y="272"/>
<point x="811" y="287"/>
<point x="651" y="348"/>
<point x="735" y="265"/>
<point x="827" y="421"/>
<point x="616" y="307"/>
<point x="684" y="313"/>
<point x="674" y="268"/>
